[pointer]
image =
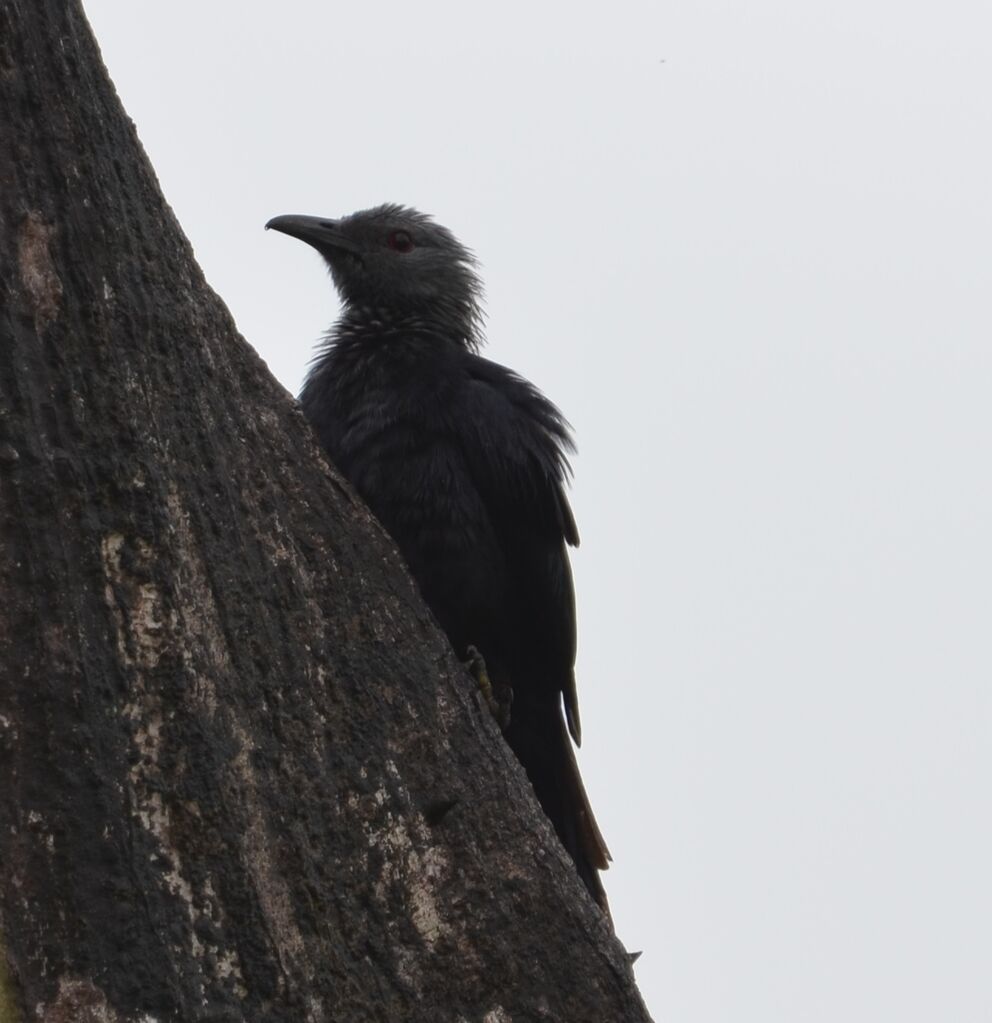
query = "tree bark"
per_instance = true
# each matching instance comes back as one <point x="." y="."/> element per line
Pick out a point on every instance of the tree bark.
<point x="242" y="775"/>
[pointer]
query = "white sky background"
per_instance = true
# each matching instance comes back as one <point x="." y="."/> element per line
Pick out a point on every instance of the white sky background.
<point x="746" y="248"/>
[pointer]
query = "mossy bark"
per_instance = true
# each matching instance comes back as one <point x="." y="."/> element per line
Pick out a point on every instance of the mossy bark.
<point x="9" y="1012"/>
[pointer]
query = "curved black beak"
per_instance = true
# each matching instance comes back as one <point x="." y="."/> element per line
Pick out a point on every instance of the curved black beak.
<point x="321" y="234"/>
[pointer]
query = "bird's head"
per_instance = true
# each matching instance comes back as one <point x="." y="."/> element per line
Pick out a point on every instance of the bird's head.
<point x="397" y="259"/>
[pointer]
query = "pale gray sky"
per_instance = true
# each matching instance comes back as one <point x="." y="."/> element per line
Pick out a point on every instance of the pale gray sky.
<point x="746" y="248"/>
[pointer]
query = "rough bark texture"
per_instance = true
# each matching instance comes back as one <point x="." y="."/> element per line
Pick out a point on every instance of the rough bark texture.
<point x="242" y="776"/>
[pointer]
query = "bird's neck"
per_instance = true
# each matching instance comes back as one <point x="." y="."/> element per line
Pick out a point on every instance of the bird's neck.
<point x="382" y="323"/>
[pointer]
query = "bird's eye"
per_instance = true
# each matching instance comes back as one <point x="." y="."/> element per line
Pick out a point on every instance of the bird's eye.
<point x="400" y="241"/>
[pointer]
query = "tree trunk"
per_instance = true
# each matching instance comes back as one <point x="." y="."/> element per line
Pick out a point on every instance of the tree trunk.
<point x="242" y="775"/>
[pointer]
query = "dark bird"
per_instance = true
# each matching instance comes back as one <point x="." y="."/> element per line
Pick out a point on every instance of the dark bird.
<point x="464" y="463"/>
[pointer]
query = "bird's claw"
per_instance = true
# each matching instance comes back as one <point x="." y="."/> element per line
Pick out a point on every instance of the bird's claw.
<point x="497" y="700"/>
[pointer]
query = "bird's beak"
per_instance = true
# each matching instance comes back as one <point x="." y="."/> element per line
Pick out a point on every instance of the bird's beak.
<point x="321" y="234"/>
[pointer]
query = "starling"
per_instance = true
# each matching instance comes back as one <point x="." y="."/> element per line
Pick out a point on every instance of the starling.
<point x="464" y="463"/>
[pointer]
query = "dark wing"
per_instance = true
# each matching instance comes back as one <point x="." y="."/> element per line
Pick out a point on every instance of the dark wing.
<point x="516" y="445"/>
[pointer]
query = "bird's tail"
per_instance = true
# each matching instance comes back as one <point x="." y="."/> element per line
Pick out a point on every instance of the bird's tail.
<point x="584" y="841"/>
<point x="549" y="758"/>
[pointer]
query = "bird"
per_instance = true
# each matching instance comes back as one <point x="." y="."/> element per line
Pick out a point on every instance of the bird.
<point x="464" y="463"/>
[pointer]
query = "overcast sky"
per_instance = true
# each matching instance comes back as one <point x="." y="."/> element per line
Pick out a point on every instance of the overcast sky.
<point x="747" y="248"/>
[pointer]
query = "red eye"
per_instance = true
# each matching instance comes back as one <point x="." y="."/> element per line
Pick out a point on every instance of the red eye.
<point x="400" y="241"/>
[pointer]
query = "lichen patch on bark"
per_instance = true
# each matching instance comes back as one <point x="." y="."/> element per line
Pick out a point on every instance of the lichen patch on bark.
<point x="135" y="602"/>
<point x="409" y="863"/>
<point x="273" y="893"/>
<point x="81" y="1001"/>
<point x="41" y="283"/>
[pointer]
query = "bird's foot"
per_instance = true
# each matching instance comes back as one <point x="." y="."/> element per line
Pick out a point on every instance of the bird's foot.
<point x="498" y="699"/>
